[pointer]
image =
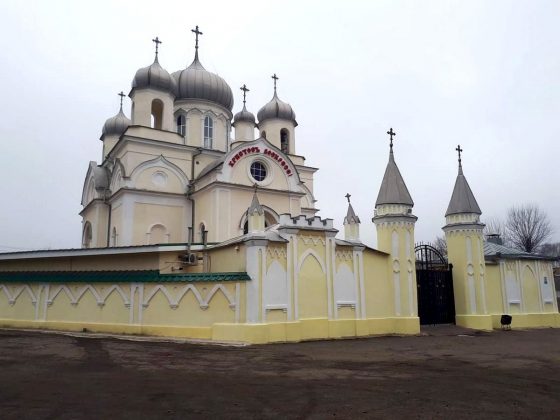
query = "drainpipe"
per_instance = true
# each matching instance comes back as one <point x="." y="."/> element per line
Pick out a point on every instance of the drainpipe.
<point x="191" y="189"/>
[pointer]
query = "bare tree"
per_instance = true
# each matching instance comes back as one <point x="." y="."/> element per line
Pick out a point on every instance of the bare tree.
<point x="495" y="226"/>
<point x="551" y="250"/>
<point x="527" y="227"/>
<point x="441" y="245"/>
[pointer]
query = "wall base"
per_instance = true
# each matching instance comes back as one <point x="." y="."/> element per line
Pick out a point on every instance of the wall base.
<point x="303" y="330"/>
<point x="540" y="320"/>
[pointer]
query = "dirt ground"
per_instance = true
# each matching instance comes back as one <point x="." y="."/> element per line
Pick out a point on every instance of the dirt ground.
<point x="445" y="373"/>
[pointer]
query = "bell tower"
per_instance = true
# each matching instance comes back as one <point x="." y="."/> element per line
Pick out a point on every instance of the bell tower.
<point x="395" y="234"/>
<point x="465" y="249"/>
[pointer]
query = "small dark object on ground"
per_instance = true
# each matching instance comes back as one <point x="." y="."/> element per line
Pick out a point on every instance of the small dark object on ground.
<point x="506" y="322"/>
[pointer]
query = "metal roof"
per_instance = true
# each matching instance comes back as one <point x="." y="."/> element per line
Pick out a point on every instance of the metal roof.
<point x="195" y="82"/>
<point x="156" y="77"/>
<point x="492" y="250"/>
<point x="142" y="276"/>
<point x="244" y="116"/>
<point x="462" y="199"/>
<point x="276" y="108"/>
<point x="393" y="189"/>
<point x="351" y="217"/>
<point x="116" y="125"/>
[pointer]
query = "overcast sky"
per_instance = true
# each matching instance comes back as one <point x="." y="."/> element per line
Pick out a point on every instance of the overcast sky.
<point x="479" y="73"/>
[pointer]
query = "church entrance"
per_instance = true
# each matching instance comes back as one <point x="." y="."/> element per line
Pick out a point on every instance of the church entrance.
<point x="434" y="282"/>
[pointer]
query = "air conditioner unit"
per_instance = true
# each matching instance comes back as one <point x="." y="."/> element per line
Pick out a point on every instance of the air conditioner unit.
<point x="188" y="259"/>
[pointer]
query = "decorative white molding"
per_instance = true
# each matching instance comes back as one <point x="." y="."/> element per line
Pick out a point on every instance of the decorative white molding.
<point x="311" y="239"/>
<point x="276" y="252"/>
<point x="15" y="294"/>
<point x="344" y="255"/>
<point x="204" y="302"/>
<point x="100" y="298"/>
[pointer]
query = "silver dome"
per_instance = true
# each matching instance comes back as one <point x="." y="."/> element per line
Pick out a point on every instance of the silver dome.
<point x="116" y="125"/>
<point x="244" y="116"/>
<point x="276" y="109"/>
<point x="195" y="82"/>
<point x="156" y="77"/>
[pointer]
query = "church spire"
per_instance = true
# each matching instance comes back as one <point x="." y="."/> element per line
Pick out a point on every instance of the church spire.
<point x="462" y="199"/>
<point x="393" y="189"/>
<point x="351" y="224"/>
<point x="255" y="206"/>
<point x="255" y="215"/>
<point x="351" y="217"/>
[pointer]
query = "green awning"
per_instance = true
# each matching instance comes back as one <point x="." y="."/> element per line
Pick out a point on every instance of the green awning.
<point x="131" y="276"/>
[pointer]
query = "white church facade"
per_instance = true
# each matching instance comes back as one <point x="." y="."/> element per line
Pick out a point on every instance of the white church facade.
<point x="191" y="231"/>
<point x="173" y="170"/>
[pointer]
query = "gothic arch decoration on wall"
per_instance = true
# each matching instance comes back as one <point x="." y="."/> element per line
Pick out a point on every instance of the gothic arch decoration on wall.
<point x="310" y="253"/>
<point x="75" y="298"/>
<point x="16" y="293"/>
<point x="159" y="162"/>
<point x="174" y="301"/>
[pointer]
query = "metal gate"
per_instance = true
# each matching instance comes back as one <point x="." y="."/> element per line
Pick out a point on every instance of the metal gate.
<point x="436" y="304"/>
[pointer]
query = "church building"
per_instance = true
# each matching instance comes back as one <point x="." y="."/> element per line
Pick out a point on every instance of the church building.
<point x="201" y="223"/>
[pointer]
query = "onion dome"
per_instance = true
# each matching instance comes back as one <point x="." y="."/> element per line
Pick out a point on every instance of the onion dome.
<point x="244" y="116"/>
<point x="155" y="77"/>
<point x="195" y="82"/>
<point x="116" y="125"/>
<point x="276" y="109"/>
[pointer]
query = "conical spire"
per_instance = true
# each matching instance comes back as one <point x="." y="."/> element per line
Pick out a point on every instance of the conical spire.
<point x="462" y="199"/>
<point x="255" y="206"/>
<point x="351" y="217"/>
<point x="393" y="189"/>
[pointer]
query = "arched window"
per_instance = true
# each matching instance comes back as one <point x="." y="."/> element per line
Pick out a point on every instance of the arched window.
<point x="285" y="141"/>
<point x="87" y="235"/>
<point x="157" y="113"/>
<point x="114" y="237"/>
<point x="181" y="127"/>
<point x="208" y="132"/>
<point x="263" y="134"/>
<point x="158" y="235"/>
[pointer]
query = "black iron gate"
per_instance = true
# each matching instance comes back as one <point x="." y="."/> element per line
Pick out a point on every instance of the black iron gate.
<point x="436" y="304"/>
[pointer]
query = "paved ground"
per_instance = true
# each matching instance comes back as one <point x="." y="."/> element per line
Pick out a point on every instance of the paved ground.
<point x="446" y="373"/>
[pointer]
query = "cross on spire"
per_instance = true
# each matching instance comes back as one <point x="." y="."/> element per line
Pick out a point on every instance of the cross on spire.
<point x="245" y="89"/>
<point x="459" y="151"/>
<point x="122" y="95"/>
<point x="157" y="42"/>
<point x="348" y="197"/>
<point x="275" y="79"/>
<point x="197" y="33"/>
<point x="255" y="187"/>
<point x="391" y="134"/>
